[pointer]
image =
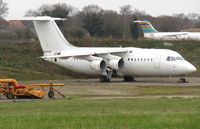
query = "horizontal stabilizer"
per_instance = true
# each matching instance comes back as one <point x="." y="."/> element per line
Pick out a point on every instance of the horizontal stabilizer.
<point x="39" y="18"/>
<point x="138" y="21"/>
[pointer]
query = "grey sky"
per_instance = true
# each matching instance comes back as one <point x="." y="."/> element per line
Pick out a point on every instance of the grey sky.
<point x="17" y="8"/>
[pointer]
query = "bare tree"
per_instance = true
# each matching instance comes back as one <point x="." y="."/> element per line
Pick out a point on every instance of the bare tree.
<point x="44" y="10"/>
<point x="3" y="9"/>
<point x="93" y="21"/>
<point x="112" y="24"/>
<point x="92" y="9"/>
<point x="31" y="13"/>
<point x="125" y="11"/>
<point x="92" y="18"/>
<point x="193" y="16"/>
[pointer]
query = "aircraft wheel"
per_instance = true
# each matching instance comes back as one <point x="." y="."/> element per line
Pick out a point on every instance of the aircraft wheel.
<point x="129" y="79"/>
<point x="183" y="80"/>
<point x="10" y="95"/>
<point x="51" y="94"/>
<point x="104" y="79"/>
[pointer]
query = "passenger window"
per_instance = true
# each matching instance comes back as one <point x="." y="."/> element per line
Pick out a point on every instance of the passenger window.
<point x="128" y="59"/>
<point x="151" y="59"/>
<point x="134" y="59"/>
<point x="138" y="59"/>
<point x="144" y="59"/>
<point x="131" y="59"/>
<point x="168" y="58"/>
<point x="141" y="59"/>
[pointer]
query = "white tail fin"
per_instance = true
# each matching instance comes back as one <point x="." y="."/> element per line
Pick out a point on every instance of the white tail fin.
<point x="50" y="36"/>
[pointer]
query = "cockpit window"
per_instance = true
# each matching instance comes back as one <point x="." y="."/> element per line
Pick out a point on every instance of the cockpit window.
<point x="173" y="58"/>
<point x="179" y="58"/>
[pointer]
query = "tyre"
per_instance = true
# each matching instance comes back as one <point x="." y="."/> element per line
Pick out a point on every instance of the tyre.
<point x="128" y="79"/>
<point x="10" y="95"/>
<point x="51" y="94"/>
<point x="104" y="79"/>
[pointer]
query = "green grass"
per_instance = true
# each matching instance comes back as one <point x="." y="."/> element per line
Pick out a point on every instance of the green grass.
<point x="21" y="60"/>
<point x="28" y="74"/>
<point x="77" y="113"/>
<point x="168" y="90"/>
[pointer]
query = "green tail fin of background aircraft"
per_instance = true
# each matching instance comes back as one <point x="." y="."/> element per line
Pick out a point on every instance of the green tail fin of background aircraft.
<point x="146" y="27"/>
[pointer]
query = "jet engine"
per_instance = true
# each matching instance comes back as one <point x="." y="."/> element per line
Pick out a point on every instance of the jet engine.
<point x="113" y="61"/>
<point x="98" y="65"/>
<point x="116" y="64"/>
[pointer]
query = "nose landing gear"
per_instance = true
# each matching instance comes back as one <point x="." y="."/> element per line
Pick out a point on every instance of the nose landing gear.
<point x="182" y="80"/>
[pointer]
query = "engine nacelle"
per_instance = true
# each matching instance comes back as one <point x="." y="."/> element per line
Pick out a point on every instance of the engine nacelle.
<point x="98" y="65"/>
<point x="116" y="64"/>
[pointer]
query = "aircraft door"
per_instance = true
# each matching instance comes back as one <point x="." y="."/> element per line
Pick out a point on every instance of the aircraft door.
<point x="157" y="61"/>
<point x="70" y="62"/>
<point x="174" y="66"/>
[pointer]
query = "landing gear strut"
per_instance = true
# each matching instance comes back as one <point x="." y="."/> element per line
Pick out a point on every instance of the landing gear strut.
<point x="129" y="79"/>
<point x="107" y="76"/>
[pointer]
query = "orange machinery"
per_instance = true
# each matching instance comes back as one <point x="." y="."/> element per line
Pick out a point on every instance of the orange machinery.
<point x="11" y="89"/>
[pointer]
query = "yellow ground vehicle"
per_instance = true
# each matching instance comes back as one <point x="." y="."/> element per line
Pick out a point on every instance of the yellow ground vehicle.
<point x="11" y="89"/>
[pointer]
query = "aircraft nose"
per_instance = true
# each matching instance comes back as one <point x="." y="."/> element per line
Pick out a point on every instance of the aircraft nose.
<point x="191" y="68"/>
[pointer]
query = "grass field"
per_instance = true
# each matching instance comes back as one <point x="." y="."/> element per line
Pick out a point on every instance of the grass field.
<point x="146" y="113"/>
<point x="107" y="106"/>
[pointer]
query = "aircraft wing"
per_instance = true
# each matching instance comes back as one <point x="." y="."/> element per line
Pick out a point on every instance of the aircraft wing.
<point x="84" y="53"/>
<point x="175" y="34"/>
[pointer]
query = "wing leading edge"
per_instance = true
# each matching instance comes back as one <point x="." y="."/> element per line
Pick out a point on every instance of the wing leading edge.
<point x="82" y="53"/>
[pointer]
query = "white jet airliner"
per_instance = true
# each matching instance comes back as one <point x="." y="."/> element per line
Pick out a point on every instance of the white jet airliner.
<point x="151" y="33"/>
<point x="106" y="62"/>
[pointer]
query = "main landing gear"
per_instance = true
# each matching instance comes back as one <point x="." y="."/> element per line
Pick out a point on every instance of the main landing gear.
<point x="109" y="73"/>
<point x="107" y="76"/>
<point x="104" y="79"/>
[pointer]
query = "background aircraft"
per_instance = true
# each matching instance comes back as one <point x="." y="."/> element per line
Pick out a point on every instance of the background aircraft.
<point x="151" y="33"/>
<point x="126" y="62"/>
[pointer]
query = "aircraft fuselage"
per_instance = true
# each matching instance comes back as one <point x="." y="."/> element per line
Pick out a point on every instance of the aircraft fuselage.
<point x="137" y="62"/>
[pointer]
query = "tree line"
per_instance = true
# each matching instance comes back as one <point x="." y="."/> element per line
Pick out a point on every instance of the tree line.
<point x="96" y="22"/>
